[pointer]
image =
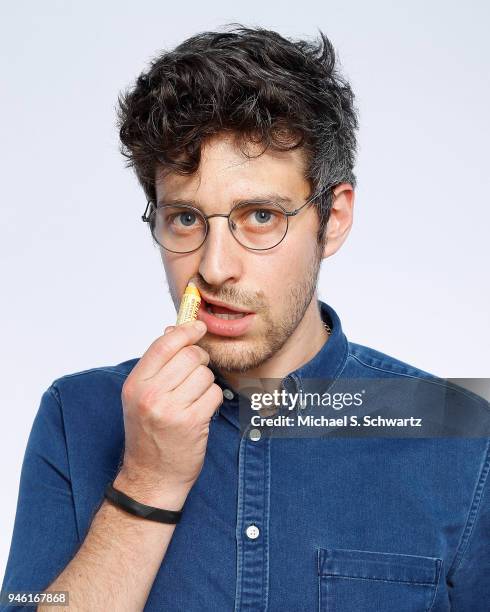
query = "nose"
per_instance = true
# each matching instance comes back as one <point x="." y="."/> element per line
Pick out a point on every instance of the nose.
<point x="221" y="259"/>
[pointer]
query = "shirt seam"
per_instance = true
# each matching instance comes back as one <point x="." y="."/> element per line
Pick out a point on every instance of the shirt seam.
<point x="473" y="515"/>
<point x="90" y="371"/>
<point x="242" y="451"/>
<point x="56" y="395"/>
<point x="266" y="525"/>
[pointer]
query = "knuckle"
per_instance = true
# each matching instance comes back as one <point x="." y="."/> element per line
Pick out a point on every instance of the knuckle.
<point x="216" y="393"/>
<point x="205" y="374"/>
<point x="127" y="390"/>
<point x="148" y="401"/>
<point x="191" y="354"/>
<point x="204" y="355"/>
<point x="162" y="348"/>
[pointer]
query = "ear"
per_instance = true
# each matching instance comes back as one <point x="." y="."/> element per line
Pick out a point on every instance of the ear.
<point x="340" y="220"/>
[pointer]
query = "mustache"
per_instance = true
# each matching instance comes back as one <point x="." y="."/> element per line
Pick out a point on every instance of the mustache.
<point x="232" y="296"/>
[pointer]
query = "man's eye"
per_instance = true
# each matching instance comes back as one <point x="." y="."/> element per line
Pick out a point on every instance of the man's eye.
<point x="182" y="219"/>
<point x="262" y="216"/>
<point x="187" y="218"/>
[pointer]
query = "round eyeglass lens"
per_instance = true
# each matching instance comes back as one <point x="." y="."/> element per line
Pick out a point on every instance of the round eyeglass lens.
<point x="178" y="228"/>
<point x="258" y="226"/>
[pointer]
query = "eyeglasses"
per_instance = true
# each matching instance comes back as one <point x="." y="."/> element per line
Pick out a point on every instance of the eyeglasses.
<point x="256" y="225"/>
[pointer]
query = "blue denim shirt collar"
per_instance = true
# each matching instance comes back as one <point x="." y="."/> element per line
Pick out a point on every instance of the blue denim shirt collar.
<point x="313" y="376"/>
<point x="330" y="359"/>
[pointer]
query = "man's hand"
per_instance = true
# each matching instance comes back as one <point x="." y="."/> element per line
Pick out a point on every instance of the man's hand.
<point x="168" y="400"/>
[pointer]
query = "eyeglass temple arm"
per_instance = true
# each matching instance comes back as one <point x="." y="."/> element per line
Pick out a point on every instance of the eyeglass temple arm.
<point x="145" y="216"/>
<point x="292" y="213"/>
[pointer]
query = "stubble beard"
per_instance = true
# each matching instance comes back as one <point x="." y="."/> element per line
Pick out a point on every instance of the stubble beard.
<point x="241" y="355"/>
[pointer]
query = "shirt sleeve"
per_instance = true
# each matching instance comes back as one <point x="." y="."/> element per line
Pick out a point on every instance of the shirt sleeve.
<point x="45" y="534"/>
<point x="469" y="578"/>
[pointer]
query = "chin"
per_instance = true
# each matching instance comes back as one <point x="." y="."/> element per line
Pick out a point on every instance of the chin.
<point x="236" y="355"/>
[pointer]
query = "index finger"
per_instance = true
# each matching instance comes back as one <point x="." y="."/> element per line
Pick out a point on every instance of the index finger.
<point x="165" y="347"/>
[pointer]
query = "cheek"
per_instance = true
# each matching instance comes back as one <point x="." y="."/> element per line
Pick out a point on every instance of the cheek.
<point x="283" y="268"/>
<point x="176" y="264"/>
<point x="178" y="271"/>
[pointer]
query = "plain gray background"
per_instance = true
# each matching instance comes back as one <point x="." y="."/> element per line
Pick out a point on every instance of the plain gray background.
<point x="84" y="287"/>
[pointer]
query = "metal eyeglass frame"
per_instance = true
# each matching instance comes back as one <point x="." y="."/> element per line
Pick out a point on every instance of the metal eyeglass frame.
<point x="286" y="213"/>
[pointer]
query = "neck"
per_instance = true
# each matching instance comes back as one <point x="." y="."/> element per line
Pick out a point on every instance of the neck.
<point x="303" y="344"/>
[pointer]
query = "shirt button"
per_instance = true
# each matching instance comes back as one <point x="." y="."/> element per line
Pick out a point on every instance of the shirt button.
<point x="252" y="532"/>
<point x="228" y="394"/>
<point x="254" y="434"/>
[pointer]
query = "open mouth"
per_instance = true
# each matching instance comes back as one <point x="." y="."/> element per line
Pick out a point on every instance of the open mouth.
<point x="221" y="312"/>
<point x="225" y="320"/>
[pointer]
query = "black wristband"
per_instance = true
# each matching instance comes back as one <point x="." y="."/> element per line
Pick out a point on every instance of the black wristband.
<point x="129" y="504"/>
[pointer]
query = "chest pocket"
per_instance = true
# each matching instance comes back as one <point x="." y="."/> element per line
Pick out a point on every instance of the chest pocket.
<point x="375" y="581"/>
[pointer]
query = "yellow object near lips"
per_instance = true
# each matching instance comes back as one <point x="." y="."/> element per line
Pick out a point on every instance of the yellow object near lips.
<point x="189" y="304"/>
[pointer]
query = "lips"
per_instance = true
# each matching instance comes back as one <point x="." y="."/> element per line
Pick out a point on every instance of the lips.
<point x="223" y="319"/>
<point x="220" y="307"/>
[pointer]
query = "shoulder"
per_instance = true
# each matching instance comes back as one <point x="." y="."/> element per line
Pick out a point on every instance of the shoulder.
<point x="364" y="361"/>
<point x="93" y="382"/>
<point x="97" y="374"/>
<point x="89" y="402"/>
<point x="452" y="413"/>
<point x="369" y="358"/>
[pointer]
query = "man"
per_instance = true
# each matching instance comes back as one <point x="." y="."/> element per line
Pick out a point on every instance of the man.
<point x="244" y="143"/>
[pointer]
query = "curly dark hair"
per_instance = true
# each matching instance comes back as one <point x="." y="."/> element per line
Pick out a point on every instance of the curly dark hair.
<point x="254" y="84"/>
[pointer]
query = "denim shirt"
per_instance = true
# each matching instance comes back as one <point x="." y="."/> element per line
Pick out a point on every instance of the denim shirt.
<point x="283" y="525"/>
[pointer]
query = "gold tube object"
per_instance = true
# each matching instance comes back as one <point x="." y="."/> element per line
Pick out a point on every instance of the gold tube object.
<point x="189" y="304"/>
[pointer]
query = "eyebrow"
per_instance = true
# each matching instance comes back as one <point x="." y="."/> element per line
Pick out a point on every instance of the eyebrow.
<point x="259" y="199"/>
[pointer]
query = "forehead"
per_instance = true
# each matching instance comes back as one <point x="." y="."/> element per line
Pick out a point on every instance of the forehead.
<point x="225" y="172"/>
